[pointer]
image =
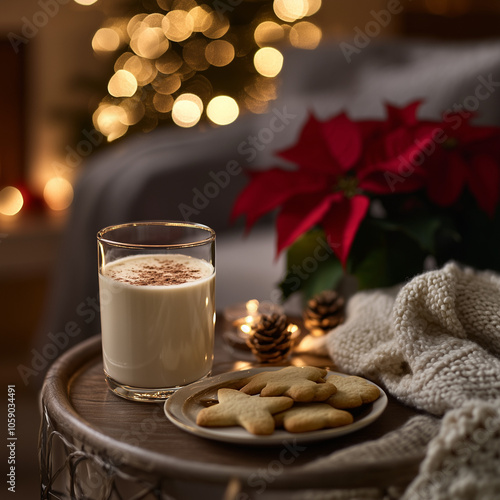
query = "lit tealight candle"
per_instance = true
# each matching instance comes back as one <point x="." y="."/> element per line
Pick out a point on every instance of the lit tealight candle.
<point x="243" y="317"/>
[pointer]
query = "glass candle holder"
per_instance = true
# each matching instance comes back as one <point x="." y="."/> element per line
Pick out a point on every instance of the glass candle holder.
<point x="240" y="319"/>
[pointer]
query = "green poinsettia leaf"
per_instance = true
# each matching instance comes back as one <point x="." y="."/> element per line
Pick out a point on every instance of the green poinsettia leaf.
<point x="307" y="245"/>
<point x="326" y="277"/>
<point x="311" y="266"/>
<point x="384" y="255"/>
<point x="422" y="230"/>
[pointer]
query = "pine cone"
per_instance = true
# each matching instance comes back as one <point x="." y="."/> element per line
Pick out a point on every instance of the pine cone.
<point x="271" y="341"/>
<point x="324" y="312"/>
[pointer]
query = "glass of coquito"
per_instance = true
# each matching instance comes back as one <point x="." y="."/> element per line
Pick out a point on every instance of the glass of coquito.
<point x="157" y="300"/>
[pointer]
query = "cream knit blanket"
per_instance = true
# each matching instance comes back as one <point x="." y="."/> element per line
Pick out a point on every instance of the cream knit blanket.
<point x="435" y="345"/>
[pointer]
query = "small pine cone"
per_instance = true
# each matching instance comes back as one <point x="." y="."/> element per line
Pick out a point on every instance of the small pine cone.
<point x="324" y="312"/>
<point x="271" y="342"/>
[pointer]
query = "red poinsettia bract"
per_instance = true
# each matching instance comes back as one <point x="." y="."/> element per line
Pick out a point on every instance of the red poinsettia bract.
<point x="465" y="156"/>
<point x="339" y="163"/>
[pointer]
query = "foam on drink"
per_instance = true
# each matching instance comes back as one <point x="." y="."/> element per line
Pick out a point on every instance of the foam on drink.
<point x="157" y="316"/>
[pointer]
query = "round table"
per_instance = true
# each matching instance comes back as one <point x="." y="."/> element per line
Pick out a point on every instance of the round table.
<point x="96" y="445"/>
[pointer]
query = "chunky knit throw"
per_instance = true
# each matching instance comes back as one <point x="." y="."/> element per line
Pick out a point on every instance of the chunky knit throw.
<point x="435" y="345"/>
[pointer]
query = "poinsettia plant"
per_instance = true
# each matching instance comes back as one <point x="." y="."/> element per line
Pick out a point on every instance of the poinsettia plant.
<point x="376" y="199"/>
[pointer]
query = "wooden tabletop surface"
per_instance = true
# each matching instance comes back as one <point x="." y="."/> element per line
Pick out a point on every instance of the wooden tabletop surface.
<point x="139" y="436"/>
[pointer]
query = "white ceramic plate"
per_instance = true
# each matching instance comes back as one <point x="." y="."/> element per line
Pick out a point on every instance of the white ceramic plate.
<point x="183" y="406"/>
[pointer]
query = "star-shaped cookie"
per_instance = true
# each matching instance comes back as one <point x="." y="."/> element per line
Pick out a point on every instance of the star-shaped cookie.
<point x="301" y="383"/>
<point x="236" y="408"/>
<point x="351" y="392"/>
<point x="312" y="417"/>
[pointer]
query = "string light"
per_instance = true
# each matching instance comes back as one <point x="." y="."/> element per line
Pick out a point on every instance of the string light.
<point x="222" y="110"/>
<point x="11" y="201"/>
<point x="188" y="60"/>
<point x="58" y="193"/>
<point x="268" y="61"/>
<point x="186" y="110"/>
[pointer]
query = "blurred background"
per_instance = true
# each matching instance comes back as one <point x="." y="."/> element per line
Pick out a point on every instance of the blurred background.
<point x="79" y="76"/>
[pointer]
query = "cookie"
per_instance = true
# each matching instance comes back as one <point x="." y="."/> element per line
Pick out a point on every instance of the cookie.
<point x="302" y="384"/>
<point x="312" y="417"/>
<point x="351" y="392"/>
<point x="237" y="408"/>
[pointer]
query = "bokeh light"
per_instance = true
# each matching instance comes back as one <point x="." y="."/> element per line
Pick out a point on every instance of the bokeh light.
<point x="122" y="84"/>
<point x="223" y="110"/>
<point x="291" y="10"/>
<point x="111" y="121"/>
<point x="218" y="25"/>
<point x="163" y="103"/>
<point x="268" y="61"/>
<point x="169" y="63"/>
<point x="176" y="59"/>
<point x="187" y="110"/>
<point x="305" y="35"/>
<point x="219" y="53"/>
<point x="313" y="7"/>
<point x="149" y="43"/>
<point x="11" y="201"/>
<point x="178" y="25"/>
<point x="268" y="32"/>
<point x="58" y="193"/>
<point x="106" y="40"/>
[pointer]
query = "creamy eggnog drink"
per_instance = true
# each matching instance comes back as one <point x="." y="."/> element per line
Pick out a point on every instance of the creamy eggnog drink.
<point x="157" y="321"/>
<point x="158" y="318"/>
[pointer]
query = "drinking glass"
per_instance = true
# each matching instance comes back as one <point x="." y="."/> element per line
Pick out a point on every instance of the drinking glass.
<point x="157" y="306"/>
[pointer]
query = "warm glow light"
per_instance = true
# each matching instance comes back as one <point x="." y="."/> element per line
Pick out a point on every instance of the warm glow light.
<point x="134" y="110"/>
<point x="290" y="10"/>
<point x="58" y="193"/>
<point x="313" y="7"/>
<point x="86" y="2"/>
<point x="187" y="109"/>
<point x="246" y="328"/>
<point x="268" y="32"/>
<point x="252" y="306"/>
<point x="201" y="17"/>
<point x="268" y="61"/>
<point x="219" y="53"/>
<point x="223" y="110"/>
<point x="178" y="25"/>
<point x="163" y="103"/>
<point x="305" y="35"/>
<point x="143" y="69"/>
<point x="105" y="40"/>
<point x="111" y="121"/>
<point x="168" y="63"/>
<point x="122" y="84"/>
<point x="219" y="26"/>
<point x="149" y="43"/>
<point x="11" y="201"/>
<point x="166" y="84"/>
